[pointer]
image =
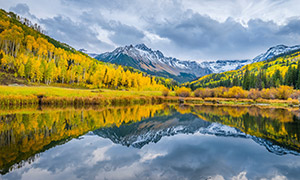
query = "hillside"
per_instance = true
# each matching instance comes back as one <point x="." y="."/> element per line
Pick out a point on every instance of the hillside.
<point x="28" y="54"/>
<point x="280" y="68"/>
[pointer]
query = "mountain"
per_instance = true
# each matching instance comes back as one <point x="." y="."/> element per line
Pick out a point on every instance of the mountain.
<point x="154" y="62"/>
<point x="276" y="51"/>
<point x="225" y="65"/>
<point x="152" y="130"/>
<point x="92" y="55"/>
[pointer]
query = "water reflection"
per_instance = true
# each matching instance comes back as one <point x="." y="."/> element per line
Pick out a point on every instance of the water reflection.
<point x="155" y="141"/>
<point x="27" y="132"/>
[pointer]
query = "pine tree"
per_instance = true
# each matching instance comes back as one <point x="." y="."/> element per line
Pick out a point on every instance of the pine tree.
<point x="246" y="80"/>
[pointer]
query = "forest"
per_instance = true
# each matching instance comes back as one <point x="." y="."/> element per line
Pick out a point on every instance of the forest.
<point x="283" y="70"/>
<point x="29" y="54"/>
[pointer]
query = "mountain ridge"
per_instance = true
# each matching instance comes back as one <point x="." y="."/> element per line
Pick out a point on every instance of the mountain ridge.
<point x="274" y="51"/>
<point x="154" y="62"/>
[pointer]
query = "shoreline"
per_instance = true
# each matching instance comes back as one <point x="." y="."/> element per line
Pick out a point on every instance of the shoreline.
<point x="56" y="96"/>
<point x="28" y="101"/>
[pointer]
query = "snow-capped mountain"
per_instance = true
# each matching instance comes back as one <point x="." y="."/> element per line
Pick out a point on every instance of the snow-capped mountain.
<point x="275" y="51"/>
<point x="154" y="62"/>
<point x="224" y="65"/>
<point x="142" y="133"/>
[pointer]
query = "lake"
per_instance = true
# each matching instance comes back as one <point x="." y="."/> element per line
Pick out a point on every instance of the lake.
<point x="150" y="142"/>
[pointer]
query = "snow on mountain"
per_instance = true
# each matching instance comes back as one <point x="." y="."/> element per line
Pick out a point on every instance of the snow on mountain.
<point x="92" y="55"/>
<point x="224" y="65"/>
<point x="144" y="58"/>
<point x="147" y="59"/>
<point x="275" y="51"/>
<point x="154" y="62"/>
<point x="227" y="65"/>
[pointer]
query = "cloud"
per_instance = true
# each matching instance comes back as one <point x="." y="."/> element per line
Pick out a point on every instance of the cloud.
<point x="73" y="33"/>
<point x="124" y="34"/>
<point x="23" y="9"/>
<point x="213" y="39"/>
<point x="20" y="8"/>
<point x="198" y="30"/>
<point x="118" y="33"/>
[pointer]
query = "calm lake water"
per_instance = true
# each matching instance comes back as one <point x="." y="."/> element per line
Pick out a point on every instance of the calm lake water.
<point x="150" y="142"/>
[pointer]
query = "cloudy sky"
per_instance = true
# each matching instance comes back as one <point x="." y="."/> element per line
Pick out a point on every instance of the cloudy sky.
<point x="186" y="29"/>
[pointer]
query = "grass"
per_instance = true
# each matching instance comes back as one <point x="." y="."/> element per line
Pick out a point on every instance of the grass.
<point x="28" y="95"/>
<point x="31" y="95"/>
<point x="68" y="92"/>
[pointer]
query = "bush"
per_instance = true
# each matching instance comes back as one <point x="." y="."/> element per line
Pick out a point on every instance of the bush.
<point x="236" y="92"/>
<point x="165" y="92"/>
<point x="183" y="92"/>
<point x="254" y="94"/>
<point x="200" y="92"/>
<point x="268" y="93"/>
<point x="295" y="95"/>
<point x="284" y="92"/>
<point x="219" y="91"/>
<point x="197" y="92"/>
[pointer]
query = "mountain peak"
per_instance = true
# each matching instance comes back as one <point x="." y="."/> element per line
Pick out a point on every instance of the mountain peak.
<point x="275" y="51"/>
<point x="142" y="46"/>
<point x="280" y="46"/>
<point x="154" y="62"/>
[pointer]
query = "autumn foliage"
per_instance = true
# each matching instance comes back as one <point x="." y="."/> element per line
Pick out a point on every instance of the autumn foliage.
<point x="165" y="92"/>
<point x="29" y="54"/>
<point x="282" y="92"/>
<point x="183" y="92"/>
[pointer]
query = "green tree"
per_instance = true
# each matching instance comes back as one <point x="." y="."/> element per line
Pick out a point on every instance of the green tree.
<point x="246" y="80"/>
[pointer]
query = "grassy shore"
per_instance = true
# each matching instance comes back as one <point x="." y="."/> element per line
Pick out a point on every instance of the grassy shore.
<point x="69" y="92"/>
<point x="32" y="95"/>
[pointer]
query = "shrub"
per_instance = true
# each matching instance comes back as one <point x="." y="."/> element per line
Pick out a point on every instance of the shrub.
<point x="284" y="92"/>
<point x="254" y="94"/>
<point x="237" y="92"/>
<point x="201" y="92"/>
<point x="219" y="91"/>
<point x="165" y="92"/>
<point x="183" y="92"/>
<point x="197" y="92"/>
<point x="268" y="93"/>
<point x="295" y="95"/>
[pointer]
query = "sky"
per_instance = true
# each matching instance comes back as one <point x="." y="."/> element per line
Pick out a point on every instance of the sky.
<point x="185" y="29"/>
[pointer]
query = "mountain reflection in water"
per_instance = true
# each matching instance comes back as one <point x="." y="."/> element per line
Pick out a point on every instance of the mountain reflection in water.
<point x="27" y="135"/>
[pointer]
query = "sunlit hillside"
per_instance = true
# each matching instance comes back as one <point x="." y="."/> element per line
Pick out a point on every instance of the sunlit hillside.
<point x="27" y="53"/>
